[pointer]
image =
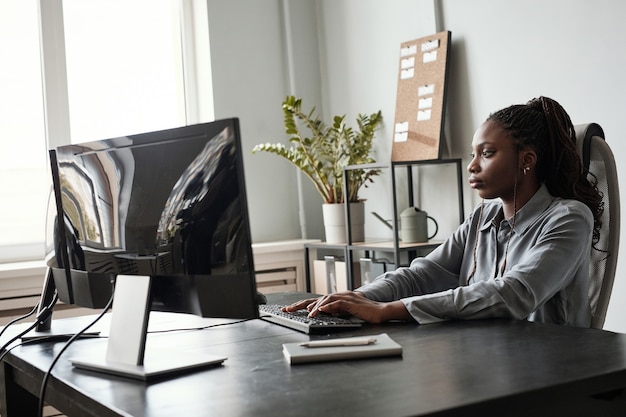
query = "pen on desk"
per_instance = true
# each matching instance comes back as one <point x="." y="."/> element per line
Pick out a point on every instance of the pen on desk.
<point x="339" y="342"/>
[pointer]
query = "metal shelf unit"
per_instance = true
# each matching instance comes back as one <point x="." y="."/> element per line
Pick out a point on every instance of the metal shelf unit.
<point x="394" y="245"/>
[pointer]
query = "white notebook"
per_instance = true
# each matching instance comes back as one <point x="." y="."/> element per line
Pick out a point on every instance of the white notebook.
<point x="342" y="348"/>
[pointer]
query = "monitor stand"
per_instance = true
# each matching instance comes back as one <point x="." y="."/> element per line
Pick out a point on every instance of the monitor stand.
<point x="46" y="329"/>
<point x="127" y="339"/>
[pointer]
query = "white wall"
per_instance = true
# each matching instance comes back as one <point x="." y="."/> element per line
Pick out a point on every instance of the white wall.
<point x="503" y="52"/>
<point x="251" y="77"/>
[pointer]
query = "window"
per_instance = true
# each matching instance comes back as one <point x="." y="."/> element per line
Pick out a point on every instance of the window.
<point x="24" y="177"/>
<point x="124" y="67"/>
<point x="130" y="67"/>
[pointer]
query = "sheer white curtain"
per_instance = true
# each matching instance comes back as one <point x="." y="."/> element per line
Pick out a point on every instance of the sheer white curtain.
<point x="23" y="170"/>
<point x="124" y="67"/>
<point x="131" y="66"/>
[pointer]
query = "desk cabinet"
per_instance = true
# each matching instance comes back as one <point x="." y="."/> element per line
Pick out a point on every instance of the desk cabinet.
<point x="280" y="266"/>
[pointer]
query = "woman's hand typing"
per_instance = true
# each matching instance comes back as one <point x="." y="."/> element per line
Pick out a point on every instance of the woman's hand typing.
<point x="352" y="303"/>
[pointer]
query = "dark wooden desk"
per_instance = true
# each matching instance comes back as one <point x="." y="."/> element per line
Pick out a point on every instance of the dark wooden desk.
<point x="489" y="367"/>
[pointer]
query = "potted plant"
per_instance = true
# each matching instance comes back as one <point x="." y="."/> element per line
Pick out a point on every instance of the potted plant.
<point x="322" y="154"/>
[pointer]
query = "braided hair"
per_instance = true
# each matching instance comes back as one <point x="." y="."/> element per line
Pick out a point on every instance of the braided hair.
<point x="542" y="124"/>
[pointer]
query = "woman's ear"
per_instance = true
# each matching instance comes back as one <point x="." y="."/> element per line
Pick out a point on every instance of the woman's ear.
<point x="528" y="159"/>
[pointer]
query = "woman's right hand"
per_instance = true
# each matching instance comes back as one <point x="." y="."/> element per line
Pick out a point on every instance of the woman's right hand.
<point x="301" y="305"/>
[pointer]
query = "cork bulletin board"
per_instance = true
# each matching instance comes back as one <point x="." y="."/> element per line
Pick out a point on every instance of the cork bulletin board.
<point x="420" y="101"/>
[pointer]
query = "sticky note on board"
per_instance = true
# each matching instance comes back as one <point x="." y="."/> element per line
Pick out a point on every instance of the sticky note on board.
<point x="407" y="73"/>
<point x="425" y="90"/>
<point x="430" y="56"/>
<point x="401" y="136"/>
<point x="425" y="103"/>
<point x="401" y="132"/>
<point x="407" y="63"/>
<point x="430" y="45"/>
<point x="423" y="115"/>
<point x="408" y="50"/>
<point x="402" y="127"/>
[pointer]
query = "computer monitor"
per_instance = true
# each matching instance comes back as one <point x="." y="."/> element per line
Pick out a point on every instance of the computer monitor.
<point x="163" y="216"/>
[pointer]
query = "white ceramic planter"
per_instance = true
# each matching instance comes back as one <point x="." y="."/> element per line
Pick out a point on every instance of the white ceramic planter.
<point x="335" y="222"/>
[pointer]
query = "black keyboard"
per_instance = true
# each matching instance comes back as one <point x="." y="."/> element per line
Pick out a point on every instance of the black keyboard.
<point x="298" y="320"/>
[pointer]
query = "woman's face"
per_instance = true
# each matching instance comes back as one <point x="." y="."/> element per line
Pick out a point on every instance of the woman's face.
<point x="494" y="163"/>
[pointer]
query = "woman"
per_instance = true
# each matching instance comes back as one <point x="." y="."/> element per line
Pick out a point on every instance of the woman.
<point x="524" y="255"/>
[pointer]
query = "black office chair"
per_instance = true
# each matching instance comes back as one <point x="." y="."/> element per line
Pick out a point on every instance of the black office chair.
<point x="598" y="160"/>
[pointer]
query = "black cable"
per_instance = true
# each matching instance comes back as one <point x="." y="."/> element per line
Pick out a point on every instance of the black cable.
<point x="41" y="316"/>
<point x="15" y="320"/>
<point x="200" y="328"/>
<point x="8" y="350"/>
<point x="49" y="338"/>
<point x="31" y="327"/>
<point x="42" y="391"/>
<point x="46" y="312"/>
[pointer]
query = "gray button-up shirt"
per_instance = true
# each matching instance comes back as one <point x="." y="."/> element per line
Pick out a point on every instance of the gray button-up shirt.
<point x="546" y="278"/>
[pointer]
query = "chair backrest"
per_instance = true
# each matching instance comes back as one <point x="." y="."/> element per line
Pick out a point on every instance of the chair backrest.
<point x="599" y="162"/>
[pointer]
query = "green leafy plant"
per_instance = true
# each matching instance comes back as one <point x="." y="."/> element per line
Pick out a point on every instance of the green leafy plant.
<point x="326" y="150"/>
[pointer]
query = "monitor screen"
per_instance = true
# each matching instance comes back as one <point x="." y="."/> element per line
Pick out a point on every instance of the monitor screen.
<point x="169" y="204"/>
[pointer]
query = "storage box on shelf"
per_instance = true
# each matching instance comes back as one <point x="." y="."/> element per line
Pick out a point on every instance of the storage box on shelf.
<point x="330" y="275"/>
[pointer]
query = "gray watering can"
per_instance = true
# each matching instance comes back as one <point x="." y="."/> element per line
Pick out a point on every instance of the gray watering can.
<point x="413" y="225"/>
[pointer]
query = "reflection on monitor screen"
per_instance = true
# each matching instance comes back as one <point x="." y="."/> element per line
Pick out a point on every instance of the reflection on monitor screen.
<point x="167" y="205"/>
